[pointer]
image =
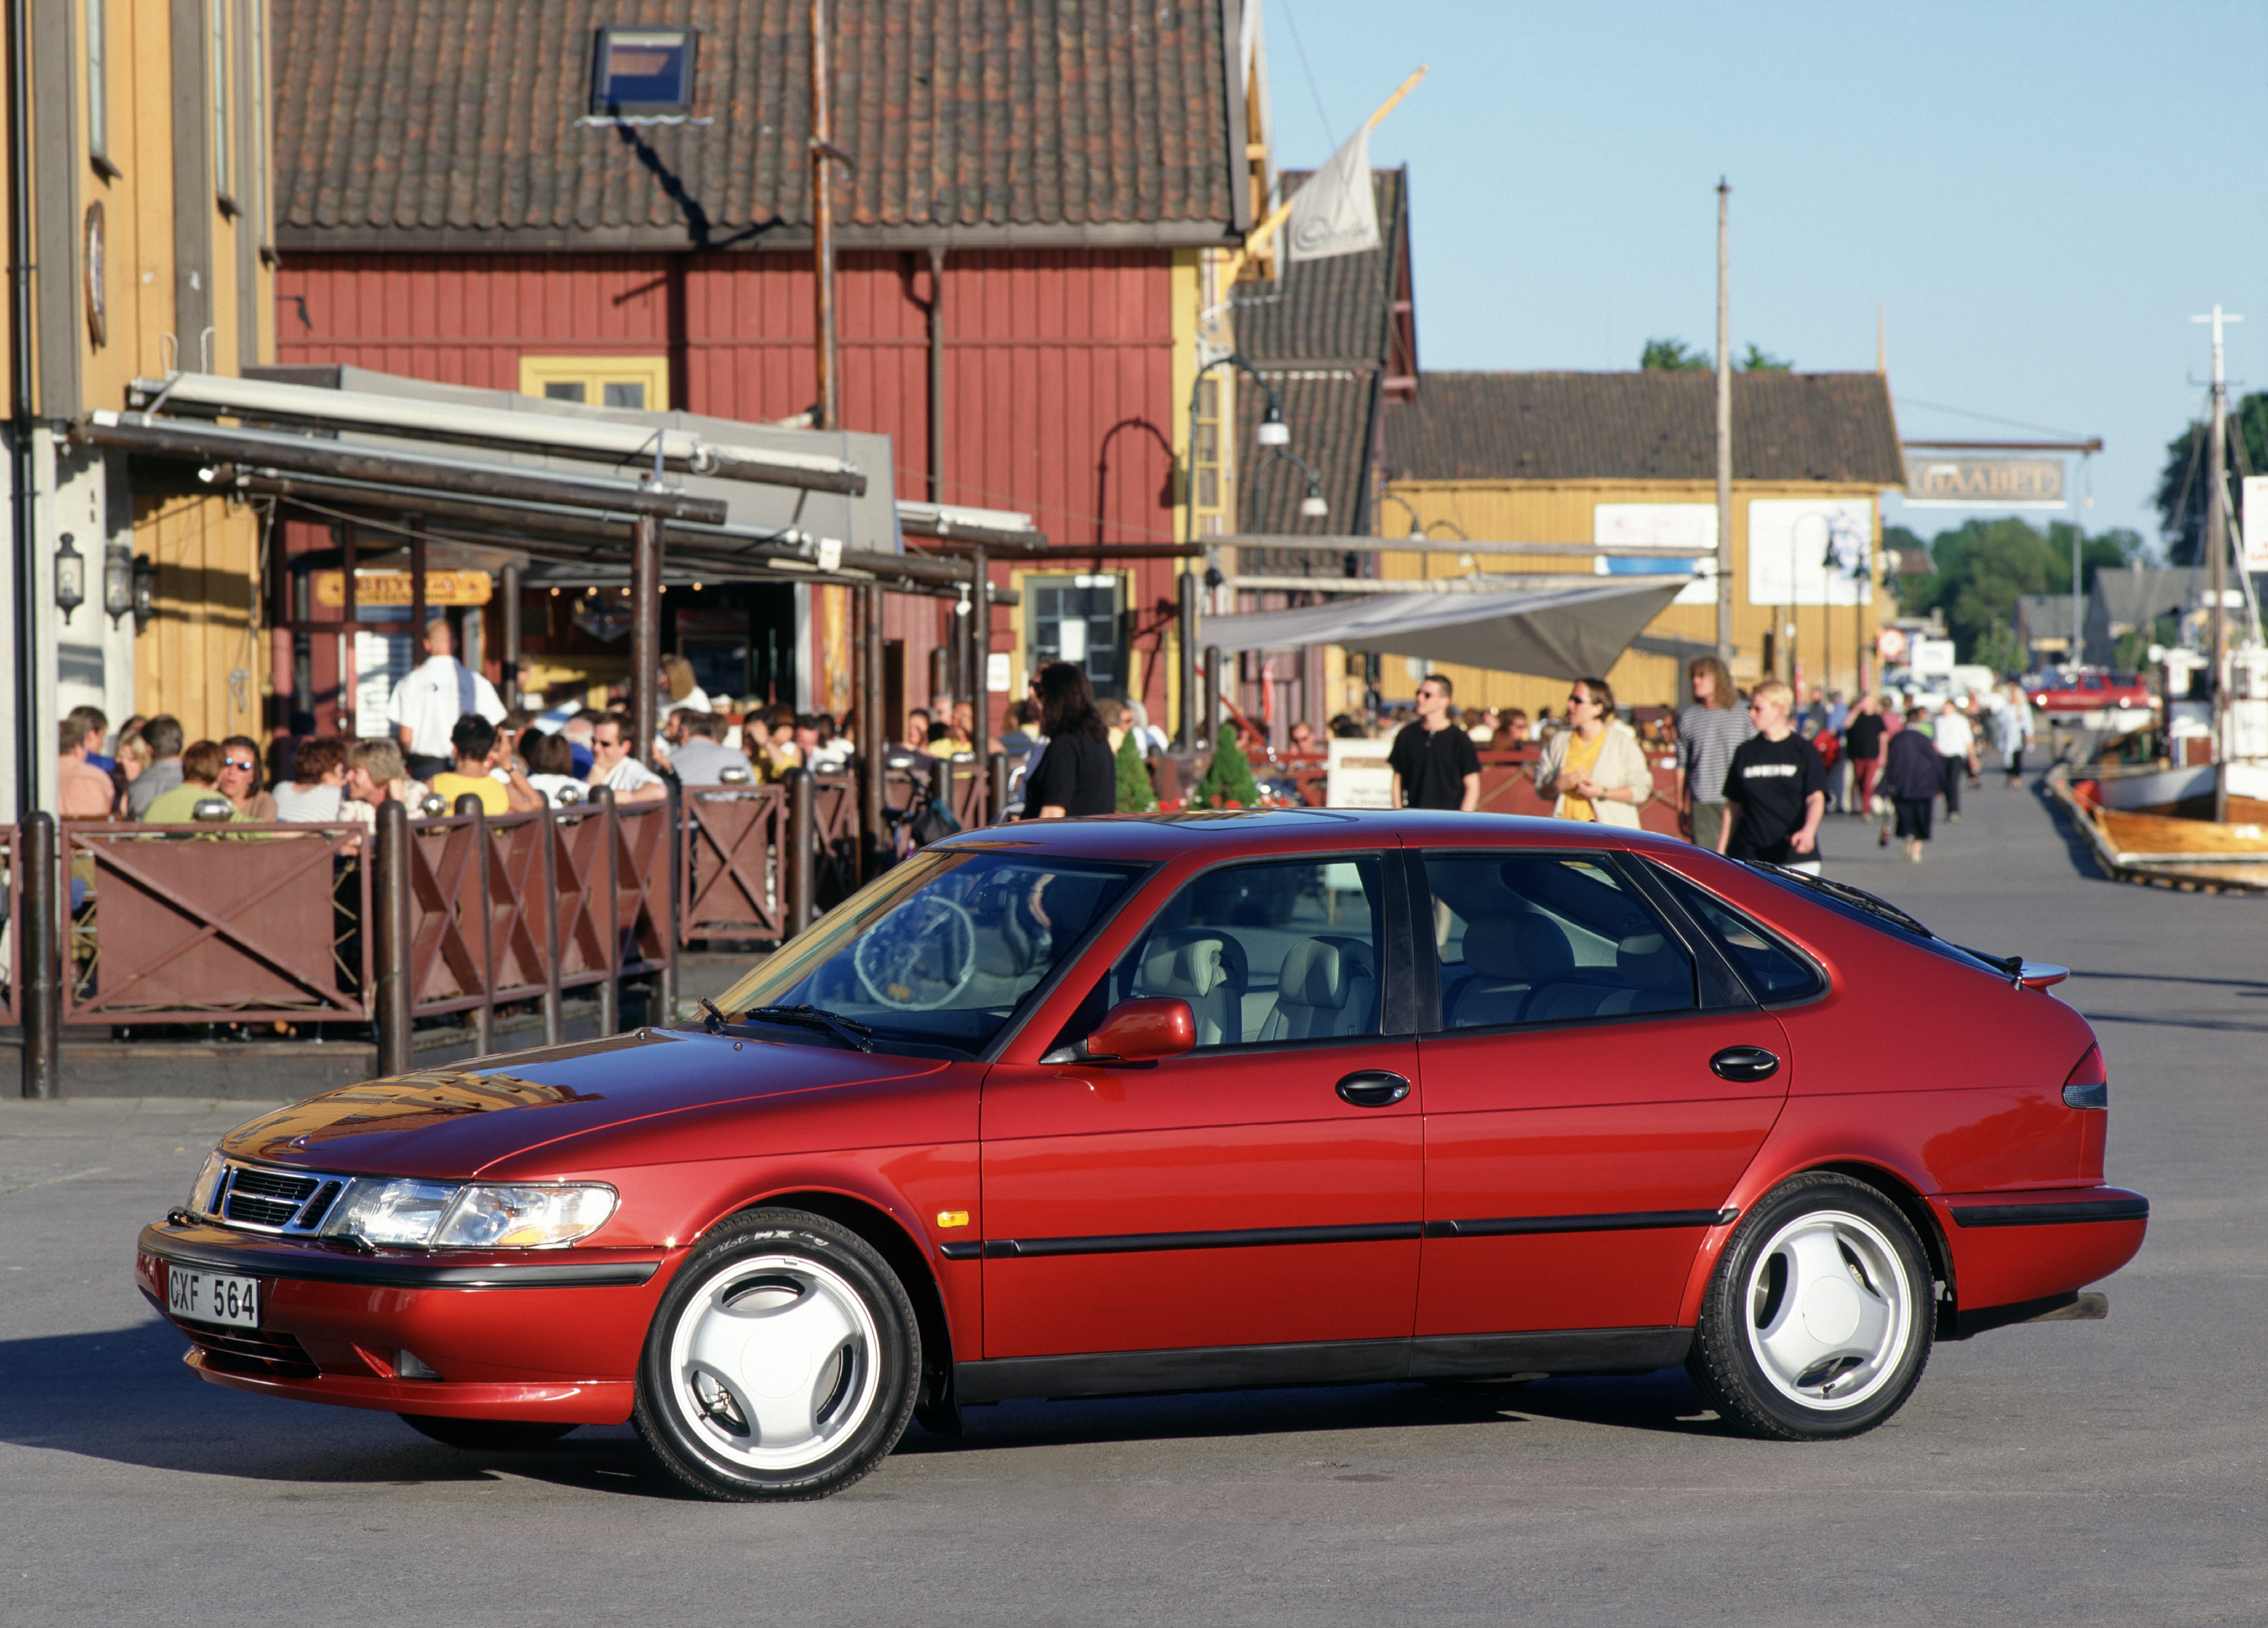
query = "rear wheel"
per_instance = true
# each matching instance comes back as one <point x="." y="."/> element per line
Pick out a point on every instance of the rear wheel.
<point x="487" y="1435"/>
<point x="1818" y="1320"/>
<point x="783" y="1363"/>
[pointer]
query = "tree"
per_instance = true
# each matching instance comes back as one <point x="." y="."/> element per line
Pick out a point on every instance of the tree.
<point x="2181" y="485"/>
<point x="1671" y="356"/>
<point x="1228" y="782"/>
<point x="1984" y="567"/>
<point x="1999" y="648"/>
<point x="1759" y="361"/>
<point x="1135" y="794"/>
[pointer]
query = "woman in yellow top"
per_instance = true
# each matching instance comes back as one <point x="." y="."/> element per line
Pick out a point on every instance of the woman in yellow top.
<point x="1594" y="767"/>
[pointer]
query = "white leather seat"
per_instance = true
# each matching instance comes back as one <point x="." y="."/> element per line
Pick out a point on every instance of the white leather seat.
<point x="1326" y="986"/>
<point x="1511" y="958"/>
<point x="1203" y="968"/>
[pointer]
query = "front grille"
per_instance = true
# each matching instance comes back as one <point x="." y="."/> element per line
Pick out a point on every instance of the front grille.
<point x="277" y="1201"/>
<point x="241" y="1351"/>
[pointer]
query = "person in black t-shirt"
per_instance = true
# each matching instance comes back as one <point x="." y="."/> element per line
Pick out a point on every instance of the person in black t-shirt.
<point x="1076" y="774"/>
<point x="1434" y="762"/>
<point x="1776" y="790"/>
<point x="1862" y="744"/>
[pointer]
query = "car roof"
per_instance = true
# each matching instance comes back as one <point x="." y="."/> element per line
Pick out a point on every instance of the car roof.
<point x="1227" y="832"/>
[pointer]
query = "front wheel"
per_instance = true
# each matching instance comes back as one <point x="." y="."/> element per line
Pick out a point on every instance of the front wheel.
<point x="1818" y="1320"/>
<point x="783" y="1362"/>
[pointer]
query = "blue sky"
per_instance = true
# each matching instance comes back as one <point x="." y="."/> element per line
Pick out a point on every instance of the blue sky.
<point x="2040" y="195"/>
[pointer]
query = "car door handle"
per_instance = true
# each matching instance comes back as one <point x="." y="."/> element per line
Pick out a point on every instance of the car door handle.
<point x="1373" y="1087"/>
<point x="1744" y="1063"/>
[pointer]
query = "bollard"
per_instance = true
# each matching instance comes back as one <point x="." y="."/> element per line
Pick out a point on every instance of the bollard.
<point x="998" y="807"/>
<point x="610" y="987"/>
<point x="1213" y="691"/>
<point x="802" y="861"/>
<point x="940" y="787"/>
<point x="389" y="902"/>
<point x="469" y="807"/>
<point x="38" y="874"/>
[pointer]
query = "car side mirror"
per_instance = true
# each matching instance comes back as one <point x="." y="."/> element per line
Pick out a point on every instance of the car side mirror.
<point x="1136" y="1031"/>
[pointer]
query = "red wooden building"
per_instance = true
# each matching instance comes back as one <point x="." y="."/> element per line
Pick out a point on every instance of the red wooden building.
<point x="1032" y="190"/>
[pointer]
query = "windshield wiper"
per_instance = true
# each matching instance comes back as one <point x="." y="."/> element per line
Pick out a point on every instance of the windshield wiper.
<point x="808" y="1016"/>
<point x="1857" y="898"/>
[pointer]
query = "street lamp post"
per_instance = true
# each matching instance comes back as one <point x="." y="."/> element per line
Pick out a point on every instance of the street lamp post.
<point x="1274" y="434"/>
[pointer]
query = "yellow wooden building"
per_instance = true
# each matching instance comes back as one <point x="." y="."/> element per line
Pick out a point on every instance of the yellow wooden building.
<point x="1628" y="462"/>
<point x="149" y="215"/>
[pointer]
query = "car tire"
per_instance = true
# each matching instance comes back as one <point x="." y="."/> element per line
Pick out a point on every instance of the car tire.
<point x="783" y="1361"/>
<point x="1817" y="1321"/>
<point x="487" y="1435"/>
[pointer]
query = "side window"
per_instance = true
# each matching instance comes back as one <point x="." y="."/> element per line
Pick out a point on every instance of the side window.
<point x="1547" y="938"/>
<point x="1282" y="950"/>
<point x="1772" y="971"/>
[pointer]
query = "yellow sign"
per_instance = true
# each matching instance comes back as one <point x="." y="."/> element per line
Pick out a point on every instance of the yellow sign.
<point x="392" y="587"/>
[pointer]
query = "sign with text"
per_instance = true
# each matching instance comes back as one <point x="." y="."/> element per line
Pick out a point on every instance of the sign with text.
<point x="1810" y="551"/>
<point x="1683" y="526"/>
<point x="1358" y="776"/>
<point x="2255" y="522"/>
<point x="1938" y="481"/>
<point x="392" y="587"/>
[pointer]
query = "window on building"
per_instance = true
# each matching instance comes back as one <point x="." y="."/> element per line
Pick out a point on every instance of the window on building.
<point x="1079" y="619"/>
<point x="224" y="167"/>
<point x="642" y="70"/>
<point x="98" y="89"/>
<point x="1206" y="479"/>
<point x="640" y="383"/>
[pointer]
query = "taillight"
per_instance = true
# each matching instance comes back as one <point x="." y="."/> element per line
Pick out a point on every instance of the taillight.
<point x="2088" y="1087"/>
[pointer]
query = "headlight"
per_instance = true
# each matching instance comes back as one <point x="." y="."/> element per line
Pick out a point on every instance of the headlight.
<point x="479" y="1215"/>
<point x="385" y="1210"/>
<point x="208" y="1182"/>
<point x="525" y="1217"/>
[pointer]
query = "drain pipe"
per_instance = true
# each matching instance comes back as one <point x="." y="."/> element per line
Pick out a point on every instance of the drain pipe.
<point x="20" y="401"/>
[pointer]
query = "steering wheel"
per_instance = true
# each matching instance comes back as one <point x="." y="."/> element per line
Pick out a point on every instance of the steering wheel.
<point x="920" y="957"/>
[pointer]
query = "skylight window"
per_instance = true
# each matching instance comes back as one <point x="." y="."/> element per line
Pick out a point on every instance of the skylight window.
<point x="643" y="72"/>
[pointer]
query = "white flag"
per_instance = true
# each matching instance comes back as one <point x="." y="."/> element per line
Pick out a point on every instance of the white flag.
<point x="1334" y="212"/>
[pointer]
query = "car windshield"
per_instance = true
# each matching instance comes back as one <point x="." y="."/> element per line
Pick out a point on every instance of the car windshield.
<point x="942" y="950"/>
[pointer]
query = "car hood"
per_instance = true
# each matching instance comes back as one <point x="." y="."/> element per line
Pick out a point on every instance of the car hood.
<point x="450" y="1123"/>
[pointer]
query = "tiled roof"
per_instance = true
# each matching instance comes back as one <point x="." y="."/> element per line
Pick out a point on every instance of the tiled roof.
<point x="1645" y="426"/>
<point x="1330" y="412"/>
<point x="452" y="123"/>
<point x="1339" y="309"/>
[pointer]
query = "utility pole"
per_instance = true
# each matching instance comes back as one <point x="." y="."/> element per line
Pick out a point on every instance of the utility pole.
<point x="822" y="219"/>
<point x="2216" y="541"/>
<point x="1724" y="424"/>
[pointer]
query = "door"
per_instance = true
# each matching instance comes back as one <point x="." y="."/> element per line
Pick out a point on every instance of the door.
<point x="1261" y="1190"/>
<point x="1586" y="1111"/>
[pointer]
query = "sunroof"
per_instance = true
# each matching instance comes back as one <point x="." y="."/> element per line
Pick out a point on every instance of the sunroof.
<point x="642" y="70"/>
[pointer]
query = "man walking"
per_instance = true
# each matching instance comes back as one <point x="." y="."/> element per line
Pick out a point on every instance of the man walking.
<point x="1956" y="754"/>
<point x="1862" y="744"/>
<point x="2013" y="723"/>
<point x="1434" y="762"/>
<point x="1708" y="732"/>
<point x="426" y="705"/>
<point x="1776" y="790"/>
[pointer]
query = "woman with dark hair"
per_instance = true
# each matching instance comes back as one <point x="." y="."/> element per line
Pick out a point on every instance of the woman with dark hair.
<point x="1075" y="775"/>
<point x="239" y="779"/>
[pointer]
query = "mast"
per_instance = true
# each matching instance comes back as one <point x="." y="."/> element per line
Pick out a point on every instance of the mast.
<point x="1724" y="426"/>
<point x="2216" y="542"/>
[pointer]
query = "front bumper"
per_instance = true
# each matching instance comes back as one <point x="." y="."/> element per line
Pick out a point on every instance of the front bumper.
<point x="547" y="1335"/>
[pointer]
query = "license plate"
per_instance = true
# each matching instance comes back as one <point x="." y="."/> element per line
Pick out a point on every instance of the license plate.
<point x="208" y="1297"/>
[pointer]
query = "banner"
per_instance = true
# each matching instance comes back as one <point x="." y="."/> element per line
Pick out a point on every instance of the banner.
<point x="2254" y="523"/>
<point x="1810" y="551"/>
<point x="1335" y="211"/>
<point x="1935" y="481"/>
<point x="1661" y="526"/>
<point x="392" y="587"/>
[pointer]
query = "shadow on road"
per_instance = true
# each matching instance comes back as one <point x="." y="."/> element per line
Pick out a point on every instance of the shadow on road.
<point x="2076" y="847"/>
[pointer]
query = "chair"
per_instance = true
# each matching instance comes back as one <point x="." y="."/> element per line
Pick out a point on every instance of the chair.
<point x="1206" y="969"/>
<point x="1658" y="976"/>
<point x="1511" y="958"/>
<point x="1326" y="986"/>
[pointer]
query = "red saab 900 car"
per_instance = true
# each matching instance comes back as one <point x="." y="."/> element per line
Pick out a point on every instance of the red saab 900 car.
<point x="1112" y="1106"/>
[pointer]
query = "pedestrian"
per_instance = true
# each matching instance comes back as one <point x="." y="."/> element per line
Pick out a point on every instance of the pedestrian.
<point x="2013" y="725"/>
<point x="473" y="745"/>
<point x="82" y="791"/>
<point x="1075" y="775"/>
<point x="239" y="779"/>
<point x="1775" y="789"/>
<point x="1911" y="779"/>
<point x="615" y="765"/>
<point x="1511" y="729"/>
<point x="316" y="791"/>
<point x="1434" y="763"/>
<point x="163" y="735"/>
<point x="1956" y="754"/>
<point x="681" y="687"/>
<point x="426" y="704"/>
<point x="1862" y="744"/>
<point x="1708" y="732"/>
<point x="1595" y="769"/>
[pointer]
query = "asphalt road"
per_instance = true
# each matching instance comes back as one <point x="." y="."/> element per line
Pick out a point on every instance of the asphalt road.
<point x="2072" y="1473"/>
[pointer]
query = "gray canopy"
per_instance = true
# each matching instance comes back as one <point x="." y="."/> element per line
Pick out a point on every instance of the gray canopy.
<point x="1551" y="633"/>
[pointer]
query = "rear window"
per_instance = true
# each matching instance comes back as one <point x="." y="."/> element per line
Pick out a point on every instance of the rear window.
<point x="1773" y="970"/>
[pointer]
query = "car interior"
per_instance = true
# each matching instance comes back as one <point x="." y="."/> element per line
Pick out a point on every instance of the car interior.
<point x="1547" y="937"/>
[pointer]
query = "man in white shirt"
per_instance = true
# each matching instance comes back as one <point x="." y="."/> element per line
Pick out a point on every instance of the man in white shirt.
<point x="426" y="704"/>
<point x="615" y="765"/>
<point x="698" y="759"/>
<point x="1956" y="756"/>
